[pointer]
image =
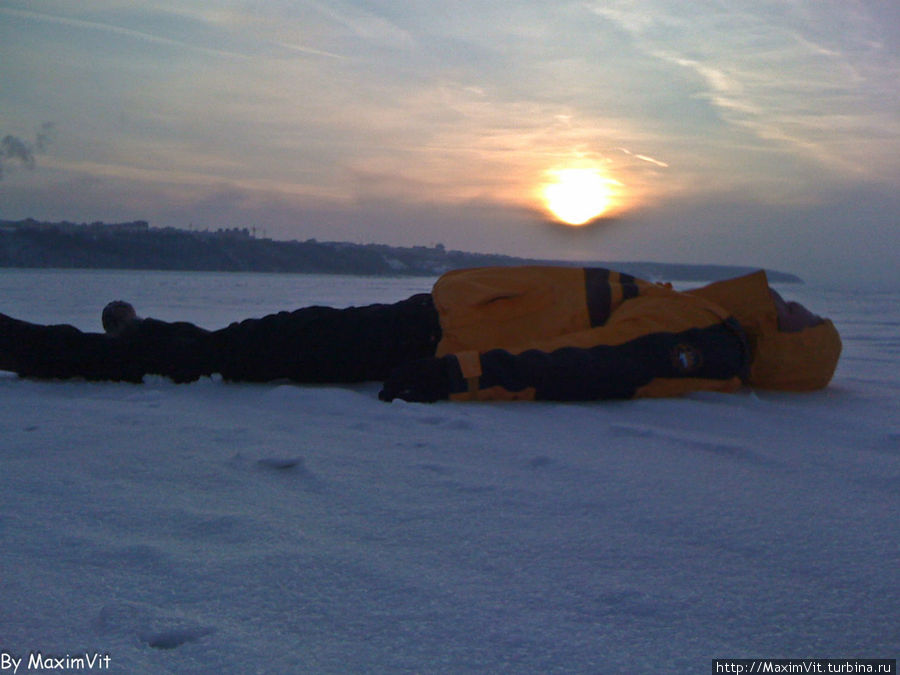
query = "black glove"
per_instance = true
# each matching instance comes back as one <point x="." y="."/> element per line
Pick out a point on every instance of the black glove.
<point x="421" y="381"/>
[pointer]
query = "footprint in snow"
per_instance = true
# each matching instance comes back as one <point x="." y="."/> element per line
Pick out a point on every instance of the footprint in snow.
<point x="155" y="628"/>
<point x="293" y="466"/>
<point x="174" y="637"/>
<point x="281" y="463"/>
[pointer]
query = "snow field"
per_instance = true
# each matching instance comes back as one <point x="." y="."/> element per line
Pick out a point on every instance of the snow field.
<point x="276" y="528"/>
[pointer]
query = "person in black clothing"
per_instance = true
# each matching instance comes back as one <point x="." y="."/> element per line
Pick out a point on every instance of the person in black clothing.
<point x="313" y="345"/>
<point x="537" y="332"/>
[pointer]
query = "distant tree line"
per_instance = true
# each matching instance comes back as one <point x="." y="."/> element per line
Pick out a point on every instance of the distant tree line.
<point x="135" y="245"/>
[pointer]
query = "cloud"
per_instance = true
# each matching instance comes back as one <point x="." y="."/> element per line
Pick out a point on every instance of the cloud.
<point x="135" y="34"/>
<point x="21" y="151"/>
<point x="12" y="147"/>
<point x="366" y="26"/>
<point x="796" y="78"/>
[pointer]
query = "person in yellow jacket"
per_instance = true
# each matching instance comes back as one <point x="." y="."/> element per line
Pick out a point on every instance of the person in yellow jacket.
<point x="505" y="333"/>
<point x="572" y="334"/>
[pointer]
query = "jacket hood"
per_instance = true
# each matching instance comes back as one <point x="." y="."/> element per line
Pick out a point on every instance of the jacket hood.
<point x="801" y="361"/>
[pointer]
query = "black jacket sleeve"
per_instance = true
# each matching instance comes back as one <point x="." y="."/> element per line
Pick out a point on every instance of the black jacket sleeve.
<point x="615" y="372"/>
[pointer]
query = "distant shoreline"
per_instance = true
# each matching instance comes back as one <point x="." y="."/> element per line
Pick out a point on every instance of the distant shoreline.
<point x="135" y="245"/>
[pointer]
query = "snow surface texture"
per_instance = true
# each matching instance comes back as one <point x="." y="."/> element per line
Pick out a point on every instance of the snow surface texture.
<point x="276" y="528"/>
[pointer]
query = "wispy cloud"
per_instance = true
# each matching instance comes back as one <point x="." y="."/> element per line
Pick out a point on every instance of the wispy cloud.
<point x="774" y="72"/>
<point x="302" y="49"/>
<point x="364" y="25"/>
<point x="116" y="30"/>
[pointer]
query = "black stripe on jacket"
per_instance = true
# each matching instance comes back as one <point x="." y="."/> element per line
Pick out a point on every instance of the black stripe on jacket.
<point x="598" y="294"/>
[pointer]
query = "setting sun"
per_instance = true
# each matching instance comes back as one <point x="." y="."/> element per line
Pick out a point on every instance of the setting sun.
<point x="577" y="196"/>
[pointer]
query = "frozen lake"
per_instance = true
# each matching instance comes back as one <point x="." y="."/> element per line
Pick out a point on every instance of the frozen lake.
<point x="278" y="528"/>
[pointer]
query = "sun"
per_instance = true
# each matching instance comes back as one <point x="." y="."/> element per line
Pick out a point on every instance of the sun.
<point x="578" y="196"/>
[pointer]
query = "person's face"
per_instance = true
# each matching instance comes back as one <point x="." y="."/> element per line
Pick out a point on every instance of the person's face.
<point x="792" y="316"/>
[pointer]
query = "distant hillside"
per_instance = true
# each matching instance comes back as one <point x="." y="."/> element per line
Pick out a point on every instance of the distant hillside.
<point x="136" y="245"/>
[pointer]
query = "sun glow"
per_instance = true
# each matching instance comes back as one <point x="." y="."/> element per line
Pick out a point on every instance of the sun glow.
<point x="578" y="196"/>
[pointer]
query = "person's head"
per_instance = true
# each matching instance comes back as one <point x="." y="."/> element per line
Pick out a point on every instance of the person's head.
<point x="792" y="348"/>
<point x="792" y="316"/>
<point x="801" y="352"/>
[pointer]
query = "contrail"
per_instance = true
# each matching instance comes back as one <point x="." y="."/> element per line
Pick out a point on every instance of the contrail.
<point x="644" y="158"/>
<point x="119" y="30"/>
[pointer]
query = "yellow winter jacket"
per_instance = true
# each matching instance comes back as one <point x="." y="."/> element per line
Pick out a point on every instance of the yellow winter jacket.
<point x="566" y="333"/>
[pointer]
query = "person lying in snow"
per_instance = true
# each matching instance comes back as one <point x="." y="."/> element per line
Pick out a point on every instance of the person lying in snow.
<point x="537" y="332"/>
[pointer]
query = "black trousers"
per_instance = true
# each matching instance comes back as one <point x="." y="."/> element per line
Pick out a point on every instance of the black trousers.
<point x="313" y="344"/>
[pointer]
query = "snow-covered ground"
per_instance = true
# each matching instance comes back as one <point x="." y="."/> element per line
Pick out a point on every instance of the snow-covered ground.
<point x="220" y="528"/>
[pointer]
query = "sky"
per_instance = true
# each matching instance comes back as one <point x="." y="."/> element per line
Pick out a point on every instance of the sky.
<point x="748" y="132"/>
